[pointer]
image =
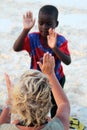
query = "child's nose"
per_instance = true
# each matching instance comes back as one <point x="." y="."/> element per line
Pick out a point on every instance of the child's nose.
<point x="45" y="26"/>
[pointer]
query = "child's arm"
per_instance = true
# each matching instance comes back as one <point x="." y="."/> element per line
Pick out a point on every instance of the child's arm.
<point x="52" y="44"/>
<point x="28" y="23"/>
<point x="61" y="99"/>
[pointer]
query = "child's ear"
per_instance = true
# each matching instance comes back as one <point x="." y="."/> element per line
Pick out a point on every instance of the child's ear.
<point x="57" y="23"/>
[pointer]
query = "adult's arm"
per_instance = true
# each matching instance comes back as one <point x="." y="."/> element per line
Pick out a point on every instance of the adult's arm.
<point x="5" y="116"/>
<point x="63" y="112"/>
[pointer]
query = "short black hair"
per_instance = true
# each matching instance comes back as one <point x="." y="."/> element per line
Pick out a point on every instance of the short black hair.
<point x="50" y="10"/>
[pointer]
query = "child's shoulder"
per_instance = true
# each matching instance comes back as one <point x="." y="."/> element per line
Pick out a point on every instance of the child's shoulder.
<point x="61" y="37"/>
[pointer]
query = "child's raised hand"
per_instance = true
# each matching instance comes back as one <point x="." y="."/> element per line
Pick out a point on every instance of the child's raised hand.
<point x="47" y="67"/>
<point x="28" y="21"/>
<point x="52" y="38"/>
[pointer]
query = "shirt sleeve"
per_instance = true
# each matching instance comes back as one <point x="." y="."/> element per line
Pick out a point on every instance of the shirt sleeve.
<point x="64" y="48"/>
<point x="26" y="45"/>
<point x="8" y="127"/>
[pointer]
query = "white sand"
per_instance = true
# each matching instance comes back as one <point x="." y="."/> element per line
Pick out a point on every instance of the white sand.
<point x="73" y="25"/>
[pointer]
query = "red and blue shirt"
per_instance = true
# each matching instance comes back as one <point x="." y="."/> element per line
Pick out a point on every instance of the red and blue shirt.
<point x="34" y="46"/>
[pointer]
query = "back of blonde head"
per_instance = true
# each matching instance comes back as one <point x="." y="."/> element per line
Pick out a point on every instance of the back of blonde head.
<point x="31" y="98"/>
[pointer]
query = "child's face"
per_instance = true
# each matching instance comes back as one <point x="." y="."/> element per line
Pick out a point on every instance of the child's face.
<point x="45" y="22"/>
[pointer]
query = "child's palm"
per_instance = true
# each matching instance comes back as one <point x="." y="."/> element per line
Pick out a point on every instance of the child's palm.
<point x="28" y="20"/>
<point x="52" y="38"/>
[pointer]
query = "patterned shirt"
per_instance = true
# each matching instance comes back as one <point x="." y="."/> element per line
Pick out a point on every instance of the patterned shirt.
<point x="33" y="44"/>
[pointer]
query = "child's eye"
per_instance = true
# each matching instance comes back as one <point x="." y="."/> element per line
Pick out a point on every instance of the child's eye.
<point x="49" y="24"/>
<point x="41" y="23"/>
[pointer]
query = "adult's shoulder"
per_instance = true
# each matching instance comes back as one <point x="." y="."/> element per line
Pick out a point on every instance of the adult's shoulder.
<point x="8" y="127"/>
<point x="54" y="124"/>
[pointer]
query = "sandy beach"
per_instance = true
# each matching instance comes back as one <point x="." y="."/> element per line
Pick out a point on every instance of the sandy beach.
<point x="72" y="24"/>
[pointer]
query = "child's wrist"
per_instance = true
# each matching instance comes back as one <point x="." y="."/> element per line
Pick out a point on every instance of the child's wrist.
<point x="26" y="29"/>
<point x="54" y="48"/>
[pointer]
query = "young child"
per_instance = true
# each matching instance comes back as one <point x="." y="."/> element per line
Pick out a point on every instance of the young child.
<point x="38" y="43"/>
<point x="30" y="98"/>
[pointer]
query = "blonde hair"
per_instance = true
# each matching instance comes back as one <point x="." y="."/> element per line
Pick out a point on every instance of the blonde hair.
<point x="32" y="98"/>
